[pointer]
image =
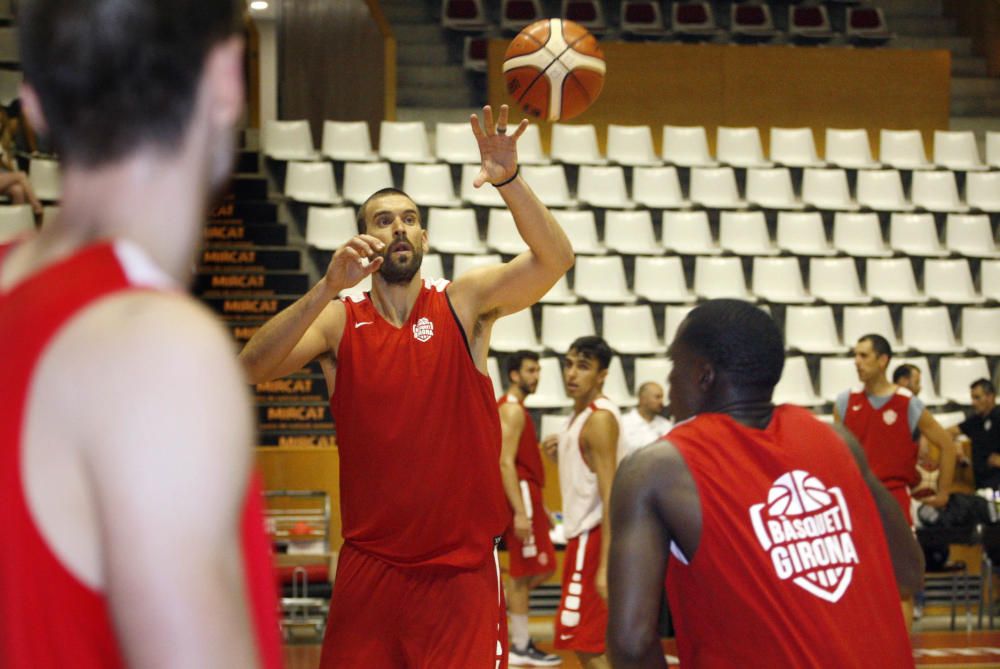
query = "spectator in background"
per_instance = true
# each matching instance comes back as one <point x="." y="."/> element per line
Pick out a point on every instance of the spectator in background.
<point x="643" y="425"/>
<point x="907" y="376"/>
<point x="13" y="182"/>
<point x="982" y="428"/>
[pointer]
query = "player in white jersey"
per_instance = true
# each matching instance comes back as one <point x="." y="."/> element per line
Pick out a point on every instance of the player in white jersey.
<point x="588" y="450"/>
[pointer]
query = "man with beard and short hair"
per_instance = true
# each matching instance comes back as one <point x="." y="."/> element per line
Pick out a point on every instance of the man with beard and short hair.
<point x="982" y="428"/>
<point x="132" y="525"/>
<point x="532" y="556"/>
<point x="417" y="426"/>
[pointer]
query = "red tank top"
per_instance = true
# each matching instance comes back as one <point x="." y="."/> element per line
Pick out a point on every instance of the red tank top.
<point x="48" y="617"/>
<point x="885" y="436"/>
<point x="419" y="438"/>
<point x="792" y="554"/>
<point x="529" y="457"/>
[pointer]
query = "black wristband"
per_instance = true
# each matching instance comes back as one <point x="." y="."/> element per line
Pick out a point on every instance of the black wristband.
<point x="517" y="171"/>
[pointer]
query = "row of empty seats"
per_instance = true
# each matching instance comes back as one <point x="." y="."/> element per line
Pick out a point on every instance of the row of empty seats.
<point x="603" y="279"/>
<point x="695" y="20"/>
<point x="686" y="146"/>
<point x="797" y="386"/>
<point x="857" y="234"/>
<point x="660" y="187"/>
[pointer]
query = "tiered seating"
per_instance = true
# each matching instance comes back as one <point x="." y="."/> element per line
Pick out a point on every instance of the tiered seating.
<point x="834" y="243"/>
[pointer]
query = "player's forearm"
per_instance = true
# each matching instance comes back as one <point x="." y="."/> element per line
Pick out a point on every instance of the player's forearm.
<point x="537" y="227"/>
<point x="949" y="455"/>
<point x="512" y="487"/>
<point x="274" y="341"/>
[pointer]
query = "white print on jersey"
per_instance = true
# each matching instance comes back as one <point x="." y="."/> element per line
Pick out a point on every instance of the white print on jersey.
<point x="805" y="528"/>
<point x="357" y="325"/>
<point x="423" y="330"/>
<point x="889" y="417"/>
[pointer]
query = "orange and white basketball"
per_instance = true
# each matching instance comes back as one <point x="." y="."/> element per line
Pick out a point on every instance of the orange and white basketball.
<point x="554" y="69"/>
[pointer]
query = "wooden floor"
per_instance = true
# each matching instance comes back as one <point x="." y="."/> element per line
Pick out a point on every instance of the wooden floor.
<point x="967" y="650"/>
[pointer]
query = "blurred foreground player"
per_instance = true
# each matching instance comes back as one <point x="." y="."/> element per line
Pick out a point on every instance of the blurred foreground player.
<point x="588" y="450"/>
<point x="783" y="549"/>
<point x="532" y="556"/>
<point x="422" y="504"/>
<point x="132" y="529"/>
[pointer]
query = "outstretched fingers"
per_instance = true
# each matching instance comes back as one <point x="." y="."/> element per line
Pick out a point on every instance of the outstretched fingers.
<point x="488" y="120"/>
<point x="521" y="127"/>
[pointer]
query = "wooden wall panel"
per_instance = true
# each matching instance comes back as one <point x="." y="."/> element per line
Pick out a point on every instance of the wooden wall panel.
<point x="711" y="85"/>
<point x="337" y="61"/>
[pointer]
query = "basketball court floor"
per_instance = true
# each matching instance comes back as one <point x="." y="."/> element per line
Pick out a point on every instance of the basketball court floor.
<point x="939" y="648"/>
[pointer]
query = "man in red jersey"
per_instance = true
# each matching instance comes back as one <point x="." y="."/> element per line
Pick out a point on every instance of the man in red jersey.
<point x="888" y="420"/>
<point x="532" y="556"/>
<point x="588" y="450"/>
<point x="418" y="433"/>
<point x="132" y="527"/>
<point x="768" y="526"/>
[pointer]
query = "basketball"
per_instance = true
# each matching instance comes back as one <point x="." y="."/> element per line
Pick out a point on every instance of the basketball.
<point x="554" y="69"/>
<point x="796" y="493"/>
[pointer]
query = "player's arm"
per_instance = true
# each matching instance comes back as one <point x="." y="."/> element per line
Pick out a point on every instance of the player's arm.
<point x="550" y="446"/>
<point x="642" y="503"/>
<point x="312" y="325"/>
<point x="907" y="557"/>
<point x="599" y="438"/>
<point x="511" y="426"/>
<point x="932" y="430"/>
<point x="169" y="454"/>
<point x="505" y="289"/>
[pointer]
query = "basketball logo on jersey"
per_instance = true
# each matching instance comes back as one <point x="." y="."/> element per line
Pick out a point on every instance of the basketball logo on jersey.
<point x="805" y="528"/>
<point x="423" y="330"/>
<point x="890" y="417"/>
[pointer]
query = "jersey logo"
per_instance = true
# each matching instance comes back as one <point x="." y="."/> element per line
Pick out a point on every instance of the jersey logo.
<point x="856" y="407"/>
<point x="357" y="325"/>
<point x="890" y="417"/>
<point x="423" y="330"/>
<point x="805" y="528"/>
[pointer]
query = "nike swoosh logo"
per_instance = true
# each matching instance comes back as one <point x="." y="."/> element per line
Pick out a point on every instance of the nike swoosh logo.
<point x="563" y="637"/>
<point x="357" y="325"/>
<point x="856" y="407"/>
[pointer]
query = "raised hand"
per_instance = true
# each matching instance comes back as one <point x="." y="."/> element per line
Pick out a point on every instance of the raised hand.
<point x="358" y="258"/>
<point x="497" y="146"/>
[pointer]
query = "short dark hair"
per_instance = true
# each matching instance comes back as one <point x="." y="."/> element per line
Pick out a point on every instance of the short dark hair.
<point x="739" y="339"/>
<point x="880" y="344"/>
<point x="904" y="371"/>
<point x="112" y="75"/>
<point x="382" y="192"/>
<point x="985" y="384"/>
<point x="594" y="348"/>
<point x="516" y="359"/>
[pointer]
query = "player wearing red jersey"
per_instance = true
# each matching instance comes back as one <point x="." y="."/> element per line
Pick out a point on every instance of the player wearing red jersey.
<point x="132" y="527"/>
<point x="532" y="556"/>
<point x="417" y="427"/>
<point x="767" y="524"/>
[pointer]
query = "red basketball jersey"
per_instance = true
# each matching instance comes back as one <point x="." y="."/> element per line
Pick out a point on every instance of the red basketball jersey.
<point x="792" y="569"/>
<point x="885" y="436"/>
<point x="419" y="438"/>
<point x="529" y="457"/>
<point x="49" y="618"/>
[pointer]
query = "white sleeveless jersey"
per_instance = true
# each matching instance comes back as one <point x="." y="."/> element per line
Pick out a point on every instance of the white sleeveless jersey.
<point x="581" y="499"/>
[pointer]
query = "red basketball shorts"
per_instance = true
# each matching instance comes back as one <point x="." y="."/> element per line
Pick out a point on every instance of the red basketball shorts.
<point x="582" y="620"/>
<point x="388" y="617"/>
<point x="536" y="555"/>
<point x="902" y="495"/>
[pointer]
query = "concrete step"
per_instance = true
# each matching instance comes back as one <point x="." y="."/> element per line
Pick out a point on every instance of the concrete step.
<point x="422" y="54"/>
<point x="910" y="7"/>
<point x="959" y="46"/>
<point x="438" y="75"/>
<point x="968" y="66"/>
<point x="975" y="87"/>
<point x="420" y="33"/>
<point x="975" y="106"/>
<point x="437" y="96"/>
<point x="408" y="12"/>
<point x="922" y="26"/>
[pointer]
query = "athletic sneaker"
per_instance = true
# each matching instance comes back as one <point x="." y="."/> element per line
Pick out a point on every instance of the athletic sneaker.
<point x="531" y="657"/>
